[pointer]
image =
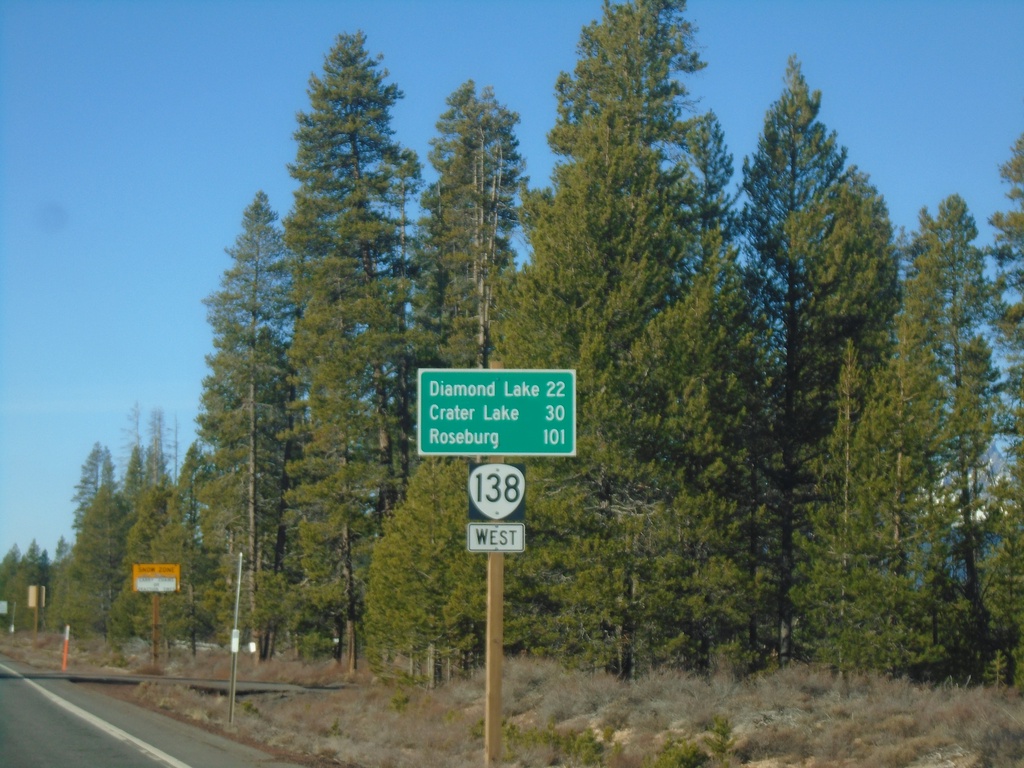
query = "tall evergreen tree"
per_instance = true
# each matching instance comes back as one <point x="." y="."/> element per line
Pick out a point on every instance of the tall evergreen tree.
<point x="60" y="590"/>
<point x="465" y="253"/>
<point x="1010" y="224"/>
<point x="895" y="472"/>
<point x="147" y="506"/>
<point x="712" y="166"/>
<point x="133" y="483"/>
<point x="98" y="555"/>
<point x="471" y="216"/>
<point x="425" y="601"/>
<point x="131" y="613"/>
<point x="950" y="293"/>
<point x="157" y="469"/>
<point x="34" y="569"/>
<point x="1009" y="252"/>
<point x="182" y="540"/>
<point x="10" y="584"/>
<point x="351" y="347"/>
<point x="860" y="595"/>
<point x="821" y="272"/>
<point x="97" y="470"/>
<point x="610" y="242"/>
<point x="246" y="397"/>
<point x="1005" y="567"/>
<point x="700" y="361"/>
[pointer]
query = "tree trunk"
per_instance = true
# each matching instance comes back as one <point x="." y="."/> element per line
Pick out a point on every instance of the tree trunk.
<point x="348" y="578"/>
<point x="251" y="503"/>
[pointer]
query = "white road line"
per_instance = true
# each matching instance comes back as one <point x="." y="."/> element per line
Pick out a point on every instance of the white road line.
<point x="103" y="725"/>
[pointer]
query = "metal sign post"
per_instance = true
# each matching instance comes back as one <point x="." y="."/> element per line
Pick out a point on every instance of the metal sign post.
<point x="156" y="628"/>
<point x="234" y="644"/>
<point x="33" y="602"/>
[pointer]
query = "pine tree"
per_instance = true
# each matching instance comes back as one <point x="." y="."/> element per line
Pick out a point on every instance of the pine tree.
<point x="11" y="585"/>
<point x="859" y="595"/>
<point x="98" y="562"/>
<point x="60" y="588"/>
<point x="34" y="569"/>
<point x="182" y="539"/>
<point x="425" y="595"/>
<point x="245" y="398"/>
<point x="1004" y="567"/>
<point x="351" y="348"/>
<point x="156" y="469"/>
<point x="131" y="613"/>
<point x="146" y="496"/>
<point x="699" y="358"/>
<point x="712" y="166"/>
<point x="953" y="299"/>
<point x="465" y="251"/>
<point x="821" y="272"/>
<point x="133" y="483"/>
<point x="795" y="164"/>
<point x="1009" y="252"/>
<point x="1010" y="224"/>
<point x="610" y="248"/>
<point x="471" y="216"/>
<point x="97" y="470"/>
<point x="896" y="444"/>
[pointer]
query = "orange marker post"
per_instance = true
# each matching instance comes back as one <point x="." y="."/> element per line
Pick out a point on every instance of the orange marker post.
<point x="67" y="639"/>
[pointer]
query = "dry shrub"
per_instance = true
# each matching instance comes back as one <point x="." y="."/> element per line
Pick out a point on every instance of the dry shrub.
<point x="790" y="743"/>
<point x="899" y="754"/>
<point x="575" y="694"/>
<point x="898" y="727"/>
<point x="632" y="755"/>
<point x="988" y="722"/>
<point x="685" y="701"/>
<point x="625" y="760"/>
<point x="525" y="682"/>
<point x="801" y="714"/>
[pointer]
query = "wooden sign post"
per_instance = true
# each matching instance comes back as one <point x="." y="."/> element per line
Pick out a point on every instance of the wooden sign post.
<point x="495" y="656"/>
<point x="36" y="600"/>
<point x="156" y="578"/>
<point x="495" y="412"/>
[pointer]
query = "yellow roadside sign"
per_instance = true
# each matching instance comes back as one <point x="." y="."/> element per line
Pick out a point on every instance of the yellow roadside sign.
<point x="156" y="577"/>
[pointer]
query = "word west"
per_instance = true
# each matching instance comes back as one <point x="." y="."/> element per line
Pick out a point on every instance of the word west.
<point x="496" y="537"/>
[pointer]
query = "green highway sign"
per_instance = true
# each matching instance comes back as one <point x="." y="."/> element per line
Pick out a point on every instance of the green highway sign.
<point x="496" y="412"/>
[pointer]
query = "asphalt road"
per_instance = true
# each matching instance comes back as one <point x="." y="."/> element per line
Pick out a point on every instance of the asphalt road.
<point x="51" y="722"/>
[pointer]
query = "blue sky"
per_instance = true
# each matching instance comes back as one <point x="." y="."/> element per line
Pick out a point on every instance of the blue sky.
<point x="134" y="133"/>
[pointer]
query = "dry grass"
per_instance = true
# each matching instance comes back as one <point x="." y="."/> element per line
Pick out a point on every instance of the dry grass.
<point x="801" y="716"/>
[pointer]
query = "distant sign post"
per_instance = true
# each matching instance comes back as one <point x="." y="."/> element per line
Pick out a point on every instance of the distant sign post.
<point x="156" y="578"/>
<point x="36" y="600"/>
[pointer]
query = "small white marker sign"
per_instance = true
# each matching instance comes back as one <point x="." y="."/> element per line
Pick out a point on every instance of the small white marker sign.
<point x="496" y="537"/>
